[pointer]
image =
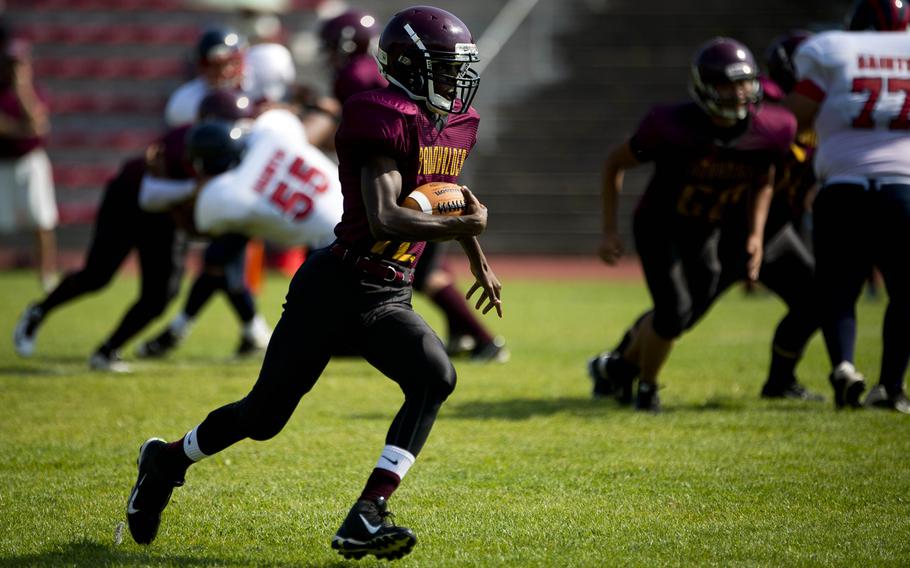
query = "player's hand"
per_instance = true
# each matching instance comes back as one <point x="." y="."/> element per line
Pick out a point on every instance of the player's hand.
<point x="611" y="248"/>
<point x="492" y="289"/>
<point x="474" y="211"/>
<point x="755" y="250"/>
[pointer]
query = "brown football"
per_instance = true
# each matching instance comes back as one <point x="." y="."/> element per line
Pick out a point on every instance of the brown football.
<point x="436" y="198"/>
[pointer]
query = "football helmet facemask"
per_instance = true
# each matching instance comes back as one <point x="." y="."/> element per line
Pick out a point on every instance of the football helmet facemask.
<point x="724" y="79"/>
<point x="428" y="52"/>
<point x="219" y="56"/>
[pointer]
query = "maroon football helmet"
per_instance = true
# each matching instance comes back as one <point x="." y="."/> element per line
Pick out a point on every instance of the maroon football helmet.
<point x="724" y="79"/>
<point x="428" y="52"/>
<point x="881" y="15"/>
<point x="225" y="104"/>
<point x="779" y="58"/>
<point x="349" y="33"/>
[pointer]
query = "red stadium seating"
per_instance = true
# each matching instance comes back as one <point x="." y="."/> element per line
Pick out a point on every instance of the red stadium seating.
<point x="109" y="35"/>
<point x="75" y="103"/>
<point x="97" y="5"/>
<point x="122" y="140"/>
<point x="109" y="68"/>
<point x="82" y="176"/>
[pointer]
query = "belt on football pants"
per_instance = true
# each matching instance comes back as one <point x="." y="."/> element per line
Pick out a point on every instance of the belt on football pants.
<point x="868" y="183"/>
<point x="381" y="269"/>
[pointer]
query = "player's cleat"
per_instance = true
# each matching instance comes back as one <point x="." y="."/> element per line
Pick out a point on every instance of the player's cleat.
<point x="151" y="493"/>
<point x="493" y="352"/>
<point x="26" y="328"/>
<point x="460" y="345"/>
<point x="878" y="397"/>
<point x="368" y="529"/>
<point x="789" y="389"/>
<point x="159" y="346"/>
<point x="613" y="376"/>
<point x="255" y="338"/>
<point x="597" y="370"/>
<point x="111" y="363"/>
<point x="848" y="385"/>
<point x="647" y="399"/>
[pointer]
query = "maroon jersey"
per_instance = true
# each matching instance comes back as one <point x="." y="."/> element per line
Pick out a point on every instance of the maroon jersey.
<point x="16" y="147"/>
<point x="386" y="122"/>
<point x="360" y="74"/>
<point x="702" y="170"/>
<point x="173" y="147"/>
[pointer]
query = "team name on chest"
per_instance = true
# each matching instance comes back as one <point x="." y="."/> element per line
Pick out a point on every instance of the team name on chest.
<point x="883" y="62"/>
<point x="441" y="160"/>
<point x="714" y="170"/>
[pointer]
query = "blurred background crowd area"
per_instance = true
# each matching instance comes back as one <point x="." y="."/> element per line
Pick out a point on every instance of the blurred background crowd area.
<point x="563" y="81"/>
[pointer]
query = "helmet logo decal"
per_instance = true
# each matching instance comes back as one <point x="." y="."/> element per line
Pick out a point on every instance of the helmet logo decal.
<point x="465" y="49"/>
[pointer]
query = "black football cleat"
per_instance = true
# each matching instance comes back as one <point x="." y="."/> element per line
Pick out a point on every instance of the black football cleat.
<point x="848" y="385"/>
<point x="159" y="346"/>
<point x="791" y="390"/>
<point x="494" y="351"/>
<point x="26" y="329"/>
<point x="878" y="397"/>
<point x="647" y="399"/>
<point x="368" y="529"/>
<point x="151" y="493"/>
<point x="613" y="376"/>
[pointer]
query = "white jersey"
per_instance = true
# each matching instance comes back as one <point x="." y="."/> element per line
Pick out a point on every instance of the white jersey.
<point x="862" y="80"/>
<point x="284" y="190"/>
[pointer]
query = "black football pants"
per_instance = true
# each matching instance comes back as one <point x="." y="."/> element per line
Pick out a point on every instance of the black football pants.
<point x="855" y="228"/>
<point x="121" y="226"/>
<point x="327" y="303"/>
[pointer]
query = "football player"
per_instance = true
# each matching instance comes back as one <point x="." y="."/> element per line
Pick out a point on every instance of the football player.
<point x="348" y="41"/>
<point x="787" y="265"/>
<point x="358" y="289"/>
<point x="710" y="155"/>
<point x="853" y="87"/>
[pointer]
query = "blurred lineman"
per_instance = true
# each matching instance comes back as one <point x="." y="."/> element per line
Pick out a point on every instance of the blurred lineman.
<point x="710" y="155"/>
<point x="348" y="41"/>
<point x="854" y="87"/>
<point x="127" y="219"/>
<point x="358" y="289"/>
<point x="787" y="268"/>
<point x="263" y="73"/>
<point x="27" y="199"/>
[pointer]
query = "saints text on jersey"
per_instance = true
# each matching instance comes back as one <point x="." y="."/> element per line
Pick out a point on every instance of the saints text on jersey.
<point x="442" y="160"/>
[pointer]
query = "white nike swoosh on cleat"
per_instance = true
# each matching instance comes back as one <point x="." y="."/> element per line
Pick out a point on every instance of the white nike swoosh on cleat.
<point x="130" y="510"/>
<point x="373" y="529"/>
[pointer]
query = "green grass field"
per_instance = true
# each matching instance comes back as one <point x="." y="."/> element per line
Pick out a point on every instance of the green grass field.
<point x="523" y="468"/>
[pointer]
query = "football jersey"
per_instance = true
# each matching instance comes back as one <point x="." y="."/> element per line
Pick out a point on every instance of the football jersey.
<point x="284" y="190"/>
<point x="862" y="82"/>
<point x="702" y="171"/>
<point x="183" y="104"/>
<point x="385" y="122"/>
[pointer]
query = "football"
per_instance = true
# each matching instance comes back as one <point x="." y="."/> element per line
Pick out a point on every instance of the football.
<point x="436" y="198"/>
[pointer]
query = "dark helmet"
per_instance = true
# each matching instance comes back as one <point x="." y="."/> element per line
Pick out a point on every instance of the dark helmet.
<point x="779" y="58"/>
<point x="428" y="52"/>
<point x="719" y="65"/>
<point x="881" y="15"/>
<point x="349" y="33"/>
<point x="215" y="146"/>
<point x="219" y="55"/>
<point x="225" y="104"/>
<point x="219" y="43"/>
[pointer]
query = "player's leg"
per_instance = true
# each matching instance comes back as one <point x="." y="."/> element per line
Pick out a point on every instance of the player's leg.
<point x="788" y="270"/>
<point x="466" y="333"/>
<point x="114" y="236"/>
<point x="892" y="213"/>
<point x="255" y="331"/>
<point x="161" y="249"/>
<point x="399" y="343"/>
<point x="294" y="360"/>
<point x="840" y="243"/>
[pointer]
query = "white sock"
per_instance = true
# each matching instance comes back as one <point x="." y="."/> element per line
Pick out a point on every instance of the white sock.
<point x="191" y="446"/>
<point x="181" y="325"/>
<point x="257" y="328"/>
<point x="395" y="459"/>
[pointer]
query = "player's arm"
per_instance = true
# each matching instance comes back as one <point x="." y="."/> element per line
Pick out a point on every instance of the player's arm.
<point x="484" y="278"/>
<point x="761" y="202"/>
<point x="381" y="188"/>
<point x="620" y="159"/>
